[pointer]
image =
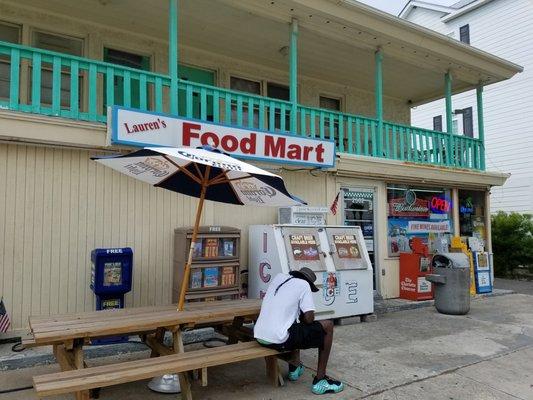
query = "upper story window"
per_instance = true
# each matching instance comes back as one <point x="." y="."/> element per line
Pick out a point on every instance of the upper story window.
<point x="437" y="123"/>
<point x="464" y="34"/>
<point x="468" y="123"/>
<point x="242" y="115"/>
<point x="61" y="44"/>
<point x="333" y="104"/>
<point x="281" y="92"/>
<point x="8" y="33"/>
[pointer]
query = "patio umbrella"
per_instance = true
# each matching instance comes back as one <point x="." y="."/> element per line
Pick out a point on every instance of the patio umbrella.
<point x="205" y="173"/>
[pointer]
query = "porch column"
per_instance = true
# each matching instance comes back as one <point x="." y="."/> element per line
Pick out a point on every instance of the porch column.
<point x="480" y="126"/>
<point x="378" y="78"/>
<point x="449" y="112"/>
<point x="173" y="54"/>
<point x="455" y="212"/>
<point x="293" y="75"/>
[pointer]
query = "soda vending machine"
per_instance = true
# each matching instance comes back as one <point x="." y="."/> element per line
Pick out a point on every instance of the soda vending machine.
<point x="414" y="267"/>
<point x="337" y="255"/>
<point x="111" y="277"/>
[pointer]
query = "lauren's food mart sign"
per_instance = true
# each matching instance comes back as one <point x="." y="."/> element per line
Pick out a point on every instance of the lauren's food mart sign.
<point x="138" y="128"/>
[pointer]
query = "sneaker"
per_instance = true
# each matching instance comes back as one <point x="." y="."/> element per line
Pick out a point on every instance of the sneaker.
<point x="326" y="385"/>
<point x="294" y="375"/>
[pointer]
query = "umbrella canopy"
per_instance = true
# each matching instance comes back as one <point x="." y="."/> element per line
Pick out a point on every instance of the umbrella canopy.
<point x="187" y="170"/>
<point x="204" y="173"/>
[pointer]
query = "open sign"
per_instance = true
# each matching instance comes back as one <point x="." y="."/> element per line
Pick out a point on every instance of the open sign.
<point x="440" y="205"/>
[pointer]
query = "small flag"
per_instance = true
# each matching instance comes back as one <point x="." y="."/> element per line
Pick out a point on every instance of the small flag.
<point x="4" y="317"/>
<point x="333" y="207"/>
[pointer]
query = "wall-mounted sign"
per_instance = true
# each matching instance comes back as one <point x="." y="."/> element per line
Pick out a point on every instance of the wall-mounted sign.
<point x="440" y="205"/>
<point x="139" y="128"/>
<point x="399" y="208"/>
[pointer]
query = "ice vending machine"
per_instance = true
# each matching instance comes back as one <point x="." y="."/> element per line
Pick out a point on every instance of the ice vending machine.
<point x="337" y="255"/>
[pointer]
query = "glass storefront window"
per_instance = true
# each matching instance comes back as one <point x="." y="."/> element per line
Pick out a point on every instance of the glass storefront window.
<point x="418" y="212"/>
<point x="472" y="214"/>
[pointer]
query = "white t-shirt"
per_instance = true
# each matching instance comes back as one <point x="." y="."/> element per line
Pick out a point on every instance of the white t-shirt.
<point x="279" y="311"/>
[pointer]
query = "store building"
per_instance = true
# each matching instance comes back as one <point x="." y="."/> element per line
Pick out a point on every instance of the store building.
<point x="329" y="70"/>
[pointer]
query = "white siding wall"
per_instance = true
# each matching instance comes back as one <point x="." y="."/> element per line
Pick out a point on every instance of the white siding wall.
<point x="428" y="18"/>
<point x="504" y="28"/>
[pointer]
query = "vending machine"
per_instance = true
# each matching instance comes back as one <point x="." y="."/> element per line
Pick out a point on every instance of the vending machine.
<point x="111" y="277"/>
<point x="414" y="267"/>
<point x="337" y="255"/>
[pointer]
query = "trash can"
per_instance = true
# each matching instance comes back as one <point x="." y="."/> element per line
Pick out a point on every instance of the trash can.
<point x="451" y="277"/>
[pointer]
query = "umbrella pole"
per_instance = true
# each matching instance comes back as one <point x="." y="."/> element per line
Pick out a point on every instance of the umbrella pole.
<point x="187" y="272"/>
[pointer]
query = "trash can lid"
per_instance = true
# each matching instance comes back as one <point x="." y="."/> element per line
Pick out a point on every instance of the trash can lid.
<point x="450" y="260"/>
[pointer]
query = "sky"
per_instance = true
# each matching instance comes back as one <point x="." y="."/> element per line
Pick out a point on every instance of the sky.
<point x="395" y="6"/>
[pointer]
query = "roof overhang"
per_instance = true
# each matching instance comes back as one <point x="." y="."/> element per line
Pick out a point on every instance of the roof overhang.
<point x="464" y="10"/>
<point x="412" y="4"/>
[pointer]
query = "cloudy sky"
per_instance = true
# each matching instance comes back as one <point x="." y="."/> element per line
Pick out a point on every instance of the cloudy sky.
<point x="395" y="6"/>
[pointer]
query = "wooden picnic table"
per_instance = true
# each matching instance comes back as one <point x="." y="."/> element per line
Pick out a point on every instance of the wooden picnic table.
<point x="68" y="333"/>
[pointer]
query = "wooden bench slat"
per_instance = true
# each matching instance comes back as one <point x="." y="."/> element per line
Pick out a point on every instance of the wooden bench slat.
<point x="108" y="375"/>
<point x="105" y="317"/>
<point x="148" y="322"/>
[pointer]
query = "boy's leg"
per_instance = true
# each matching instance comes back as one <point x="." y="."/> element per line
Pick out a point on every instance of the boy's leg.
<point x="323" y="354"/>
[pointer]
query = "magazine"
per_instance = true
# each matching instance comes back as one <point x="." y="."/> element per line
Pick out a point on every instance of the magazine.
<point x="228" y="277"/>
<point x="197" y="249"/>
<point x="211" y="248"/>
<point x="196" y="279"/>
<point x="228" y="247"/>
<point x="211" y="277"/>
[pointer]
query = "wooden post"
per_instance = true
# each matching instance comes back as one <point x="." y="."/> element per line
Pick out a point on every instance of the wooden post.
<point x="379" y="101"/>
<point x="293" y="75"/>
<point x="173" y="54"/>
<point x="449" y="116"/>
<point x="480" y="127"/>
<point x="186" y="273"/>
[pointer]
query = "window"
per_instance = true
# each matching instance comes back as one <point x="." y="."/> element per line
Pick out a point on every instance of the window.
<point x="455" y="126"/>
<point x="464" y="34"/>
<point x="421" y="212"/>
<point x="472" y="213"/>
<point x="248" y="86"/>
<point x="60" y="44"/>
<point x="11" y="34"/>
<point x="280" y="92"/>
<point x="333" y="104"/>
<point x="468" y="125"/>
<point x="437" y="123"/>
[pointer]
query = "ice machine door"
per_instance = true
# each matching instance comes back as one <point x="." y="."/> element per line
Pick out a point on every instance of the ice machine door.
<point x="303" y="248"/>
<point x="347" y="247"/>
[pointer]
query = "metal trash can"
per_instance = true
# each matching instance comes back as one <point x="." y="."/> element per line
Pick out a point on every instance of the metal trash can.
<point x="451" y="277"/>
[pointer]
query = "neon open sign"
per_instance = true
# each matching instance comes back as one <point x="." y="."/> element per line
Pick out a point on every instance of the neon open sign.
<point x="440" y="205"/>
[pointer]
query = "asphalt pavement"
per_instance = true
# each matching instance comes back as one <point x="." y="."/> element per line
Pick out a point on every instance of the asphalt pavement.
<point x="407" y="355"/>
<point x="524" y="287"/>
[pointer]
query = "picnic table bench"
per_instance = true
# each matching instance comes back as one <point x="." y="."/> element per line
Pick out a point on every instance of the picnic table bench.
<point x="70" y="332"/>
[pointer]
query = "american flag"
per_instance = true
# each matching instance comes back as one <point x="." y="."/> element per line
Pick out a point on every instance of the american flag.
<point x="4" y="317"/>
<point x="333" y="207"/>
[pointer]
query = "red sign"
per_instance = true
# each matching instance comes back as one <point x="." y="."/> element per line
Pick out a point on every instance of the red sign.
<point x="399" y="208"/>
<point x="440" y="205"/>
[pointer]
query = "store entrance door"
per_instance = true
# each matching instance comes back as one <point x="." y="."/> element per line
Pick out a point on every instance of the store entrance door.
<point x="358" y="210"/>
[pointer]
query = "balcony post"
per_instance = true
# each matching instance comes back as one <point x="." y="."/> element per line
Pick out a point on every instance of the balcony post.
<point x="173" y="54"/>
<point x="480" y="126"/>
<point x="293" y="75"/>
<point x="449" y="122"/>
<point x="378" y="78"/>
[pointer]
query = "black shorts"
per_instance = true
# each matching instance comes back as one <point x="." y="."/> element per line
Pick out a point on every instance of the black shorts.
<point x="302" y="336"/>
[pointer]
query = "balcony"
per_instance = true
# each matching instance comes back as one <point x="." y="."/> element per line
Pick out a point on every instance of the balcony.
<point x="55" y="84"/>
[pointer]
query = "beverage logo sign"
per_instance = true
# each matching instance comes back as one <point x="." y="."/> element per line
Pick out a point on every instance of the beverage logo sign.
<point x="154" y="166"/>
<point x="144" y="129"/>
<point x="409" y="207"/>
<point x="254" y="193"/>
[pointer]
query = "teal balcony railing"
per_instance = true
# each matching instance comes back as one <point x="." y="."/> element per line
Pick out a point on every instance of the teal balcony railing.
<point x="49" y="83"/>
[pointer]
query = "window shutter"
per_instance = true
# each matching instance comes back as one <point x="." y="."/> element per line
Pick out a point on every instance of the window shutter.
<point x="464" y="34"/>
<point x="468" y="123"/>
<point x="437" y="123"/>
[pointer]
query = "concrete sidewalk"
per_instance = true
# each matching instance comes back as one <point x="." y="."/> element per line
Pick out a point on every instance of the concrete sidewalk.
<point x="414" y="354"/>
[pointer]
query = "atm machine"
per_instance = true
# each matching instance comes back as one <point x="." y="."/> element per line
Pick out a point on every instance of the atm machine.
<point x="337" y="255"/>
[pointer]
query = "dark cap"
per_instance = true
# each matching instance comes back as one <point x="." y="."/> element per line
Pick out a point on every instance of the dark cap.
<point x="308" y="275"/>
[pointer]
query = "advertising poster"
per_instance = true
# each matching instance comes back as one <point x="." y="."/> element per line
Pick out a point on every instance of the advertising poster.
<point x="347" y="246"/>
<point x="304" y="247"/>
<point x="403" y="229"/>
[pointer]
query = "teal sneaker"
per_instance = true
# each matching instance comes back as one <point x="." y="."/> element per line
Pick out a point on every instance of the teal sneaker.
<point x="294" y="375"/>
<point x="326" y="385"/>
